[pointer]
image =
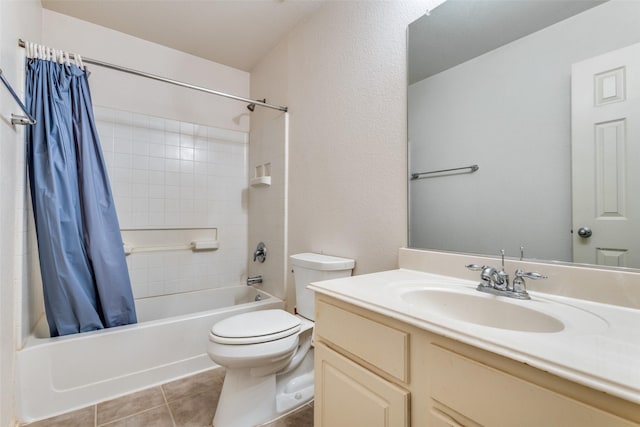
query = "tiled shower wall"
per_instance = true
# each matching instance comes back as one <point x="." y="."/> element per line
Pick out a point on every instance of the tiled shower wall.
<point x="167" y="174"/>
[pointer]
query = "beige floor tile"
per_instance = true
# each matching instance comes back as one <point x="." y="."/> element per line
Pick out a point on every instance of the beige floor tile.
<point x="156" y="417"/>
<point x="128" y="405"/>
<point x="196" y="384"/>
<point x="302" y="417"/>
<point x="81" y="418"/>
<point x="196" y="410"/>
<point x="191" y="403"/>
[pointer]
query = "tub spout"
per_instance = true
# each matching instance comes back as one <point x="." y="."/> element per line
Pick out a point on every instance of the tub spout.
<point x="254" y="280"/>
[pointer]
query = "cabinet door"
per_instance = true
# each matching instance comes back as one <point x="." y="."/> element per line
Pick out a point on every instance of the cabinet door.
<point x="348" y="395"/>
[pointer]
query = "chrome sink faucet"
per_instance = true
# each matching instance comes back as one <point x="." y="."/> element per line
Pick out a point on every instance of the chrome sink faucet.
<point x="493" y="278"/>
<point x="497" y="282"/>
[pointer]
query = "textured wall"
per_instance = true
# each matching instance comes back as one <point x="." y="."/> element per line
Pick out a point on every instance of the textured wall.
<point x="343" y="75"/>
<point x="123" y="91"/>
<point x="17" y="20"/>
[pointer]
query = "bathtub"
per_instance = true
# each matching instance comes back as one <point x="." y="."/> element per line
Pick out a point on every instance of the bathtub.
<point x="57" y="375"/>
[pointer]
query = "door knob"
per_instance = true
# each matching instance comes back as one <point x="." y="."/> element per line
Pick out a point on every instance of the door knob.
<point x="584" y="232"/>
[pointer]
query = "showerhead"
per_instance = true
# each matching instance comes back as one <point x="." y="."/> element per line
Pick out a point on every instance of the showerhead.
<point x="252" y="106"/>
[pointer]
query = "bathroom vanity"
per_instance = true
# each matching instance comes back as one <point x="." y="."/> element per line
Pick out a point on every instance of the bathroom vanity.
<point x="390" y="350"/>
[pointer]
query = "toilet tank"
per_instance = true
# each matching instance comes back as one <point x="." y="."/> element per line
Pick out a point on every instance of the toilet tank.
<point x="308" y="268"/>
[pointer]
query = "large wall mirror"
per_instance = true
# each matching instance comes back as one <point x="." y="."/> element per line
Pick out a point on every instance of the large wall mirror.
<point x="524" y="129"/>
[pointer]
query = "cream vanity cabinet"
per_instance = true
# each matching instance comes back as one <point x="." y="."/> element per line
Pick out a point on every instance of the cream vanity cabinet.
<point x="374" y="371"/>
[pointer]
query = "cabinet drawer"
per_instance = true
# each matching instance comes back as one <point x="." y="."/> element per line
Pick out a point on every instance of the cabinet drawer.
<point x="384" y="347"/>
<point x="496" y="398"/>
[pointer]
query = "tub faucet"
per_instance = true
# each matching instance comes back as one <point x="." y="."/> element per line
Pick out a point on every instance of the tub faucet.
<point x="254" y="280"/>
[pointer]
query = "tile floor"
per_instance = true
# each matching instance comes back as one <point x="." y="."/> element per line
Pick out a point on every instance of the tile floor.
<point x="189" y="402"/>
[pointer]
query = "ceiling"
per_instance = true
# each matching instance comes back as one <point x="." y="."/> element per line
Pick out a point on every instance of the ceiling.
<point x="237" y="33"/>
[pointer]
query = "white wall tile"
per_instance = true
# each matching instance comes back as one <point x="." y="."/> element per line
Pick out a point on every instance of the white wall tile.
<point x="166" y="174"/>
<point x="156" y="149"/>
<point x="186" y="166"/>
<point x="122" y="145"/>
<point x="140" y="176"/>
<point x="186" y="141"/>
<point x="141" y="148"/>
<point x="156" y="163"/>
<point x="172" y="152"/>
<point x="172" y="138"/>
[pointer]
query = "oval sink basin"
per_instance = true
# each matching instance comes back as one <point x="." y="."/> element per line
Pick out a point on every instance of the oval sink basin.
<point x="482" y="309"/>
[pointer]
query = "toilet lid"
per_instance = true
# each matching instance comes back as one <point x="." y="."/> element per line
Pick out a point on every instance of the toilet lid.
<point x="255" y="327"/>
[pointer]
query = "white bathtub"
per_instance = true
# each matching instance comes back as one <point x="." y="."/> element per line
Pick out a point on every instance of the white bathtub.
<point x="56" y="375"/>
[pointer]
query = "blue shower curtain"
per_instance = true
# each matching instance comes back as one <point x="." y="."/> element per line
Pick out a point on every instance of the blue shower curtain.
<point x="84" y="272"/>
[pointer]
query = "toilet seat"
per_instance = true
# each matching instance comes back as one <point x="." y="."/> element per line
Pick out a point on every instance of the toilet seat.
<point x="255" y="327"/>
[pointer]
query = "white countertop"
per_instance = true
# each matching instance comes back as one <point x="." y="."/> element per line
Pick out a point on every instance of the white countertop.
<point x="599" y="345"/>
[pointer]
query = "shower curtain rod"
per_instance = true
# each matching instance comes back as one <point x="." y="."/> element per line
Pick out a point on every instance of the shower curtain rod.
<point x="27" y="119"/>
<point x="86" y="60"/>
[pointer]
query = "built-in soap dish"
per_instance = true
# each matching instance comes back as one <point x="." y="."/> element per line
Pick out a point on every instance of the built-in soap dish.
<point x="205" y="245"/>
<point x="262" y="176"/>
<point x="260" y="181"/>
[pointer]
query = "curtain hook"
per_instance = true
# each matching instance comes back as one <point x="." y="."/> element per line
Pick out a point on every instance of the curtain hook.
<point x="79" y="60"/>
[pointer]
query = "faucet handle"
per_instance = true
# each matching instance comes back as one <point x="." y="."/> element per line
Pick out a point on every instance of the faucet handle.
<point x="260" y="253"/>
<point x="519" y="285"/>
<point x="529" y="274"/>
<point x="485" y="279"/>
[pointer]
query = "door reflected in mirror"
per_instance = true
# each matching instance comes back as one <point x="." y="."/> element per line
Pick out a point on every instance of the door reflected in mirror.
<point x="542" y="97"/>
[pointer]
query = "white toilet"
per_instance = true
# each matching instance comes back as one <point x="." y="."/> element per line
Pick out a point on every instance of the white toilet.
<point x="267" y="354"/>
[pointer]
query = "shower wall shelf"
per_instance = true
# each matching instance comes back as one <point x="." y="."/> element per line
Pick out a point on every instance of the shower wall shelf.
<point x="262" y="175"/>
<point x="261" y="181"/>
<point x="169" y="239"/>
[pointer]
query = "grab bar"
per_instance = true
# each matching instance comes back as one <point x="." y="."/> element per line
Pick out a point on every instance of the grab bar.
<point x="15" y="119"/>
<point x="418" y="175"/>
<point x="195" y="246"/>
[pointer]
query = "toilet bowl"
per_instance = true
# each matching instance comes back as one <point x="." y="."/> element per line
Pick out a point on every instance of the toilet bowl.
<point x="268" y="354"/>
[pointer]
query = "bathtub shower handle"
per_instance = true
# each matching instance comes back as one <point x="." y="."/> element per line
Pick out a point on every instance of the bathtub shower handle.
<point x="260" y="254"/>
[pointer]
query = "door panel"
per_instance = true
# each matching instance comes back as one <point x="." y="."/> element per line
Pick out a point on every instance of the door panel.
<point x="605" y="144"/>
